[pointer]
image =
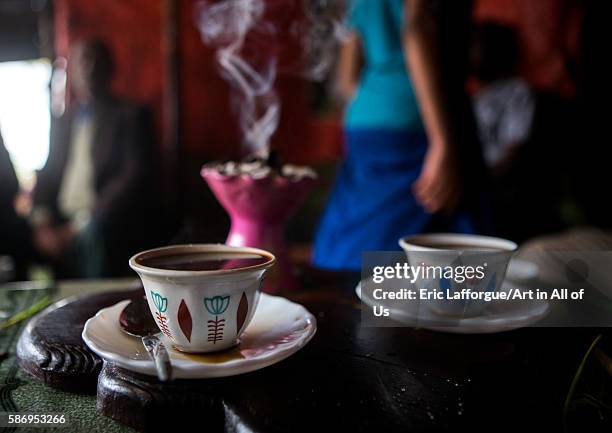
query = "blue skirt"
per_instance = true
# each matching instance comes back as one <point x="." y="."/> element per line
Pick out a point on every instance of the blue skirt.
<point x="372" y="204"/>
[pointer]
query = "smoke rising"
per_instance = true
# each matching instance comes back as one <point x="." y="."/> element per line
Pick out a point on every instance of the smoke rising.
<point x="247" y="36"/>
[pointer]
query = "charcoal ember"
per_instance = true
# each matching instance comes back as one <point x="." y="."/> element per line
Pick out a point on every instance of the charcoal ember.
<point x="258" y="168"/>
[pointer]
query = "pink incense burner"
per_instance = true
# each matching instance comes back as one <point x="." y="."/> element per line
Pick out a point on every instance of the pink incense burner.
<point x="259" y="208"/>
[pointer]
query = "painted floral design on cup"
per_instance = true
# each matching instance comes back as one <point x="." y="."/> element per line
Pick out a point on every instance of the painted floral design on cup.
<point x="161" y="304"/>
<point x="217" y="305"/>
<point x="241" y="313"/>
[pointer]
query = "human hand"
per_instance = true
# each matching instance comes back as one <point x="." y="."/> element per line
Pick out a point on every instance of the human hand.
<point x="66" y="234"/>
<point x="438" y="185"/>
<point x="47" y="241"/>
<point x="52" y="241"/>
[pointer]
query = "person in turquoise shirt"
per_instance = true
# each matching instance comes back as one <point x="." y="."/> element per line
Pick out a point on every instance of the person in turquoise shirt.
<point x="385" y="97"/>
<point x="399" y="176"/>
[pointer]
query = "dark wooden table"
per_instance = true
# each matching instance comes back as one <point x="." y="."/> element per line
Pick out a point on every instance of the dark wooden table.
<point x="355" y="378"/>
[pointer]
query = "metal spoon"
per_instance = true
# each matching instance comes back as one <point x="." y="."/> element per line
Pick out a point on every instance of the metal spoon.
<point x="136" y="320"/>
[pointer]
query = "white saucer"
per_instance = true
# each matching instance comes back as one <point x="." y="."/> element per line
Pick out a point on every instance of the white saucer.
<point x="498" y="317"/>
<point x="278" y="329"/>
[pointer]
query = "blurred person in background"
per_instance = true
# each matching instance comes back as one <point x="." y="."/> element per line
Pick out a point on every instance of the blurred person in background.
<point x="549" y="34"/>
<point x="403" y="173"/>
<point x="504" y="103"/>
<point x="518" y="136"/>
<point x="93" y="197"/>
<point x="15" y="235"/>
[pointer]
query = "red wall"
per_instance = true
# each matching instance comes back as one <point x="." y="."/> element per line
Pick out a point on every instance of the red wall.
<point x="548" y="35"/>
<point x="133" y="29"/>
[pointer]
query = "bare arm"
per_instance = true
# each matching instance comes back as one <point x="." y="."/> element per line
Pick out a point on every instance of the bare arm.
<point x="420" y="47"/>
<point x="437" y="187"/>
<point x="349" y="65"/>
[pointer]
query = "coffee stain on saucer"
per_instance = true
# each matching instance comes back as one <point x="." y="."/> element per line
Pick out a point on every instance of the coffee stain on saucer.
<point x="214" y="357"/>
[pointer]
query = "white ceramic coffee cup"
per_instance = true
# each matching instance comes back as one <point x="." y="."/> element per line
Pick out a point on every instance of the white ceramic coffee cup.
<point x="449" y="249"/>
<point x="202" y="311"/>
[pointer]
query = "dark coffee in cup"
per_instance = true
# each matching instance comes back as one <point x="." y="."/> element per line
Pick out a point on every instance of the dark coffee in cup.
<point x="458" y="247"/>
<point x="456" y="242"/>
<point x="202" y="261"/>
